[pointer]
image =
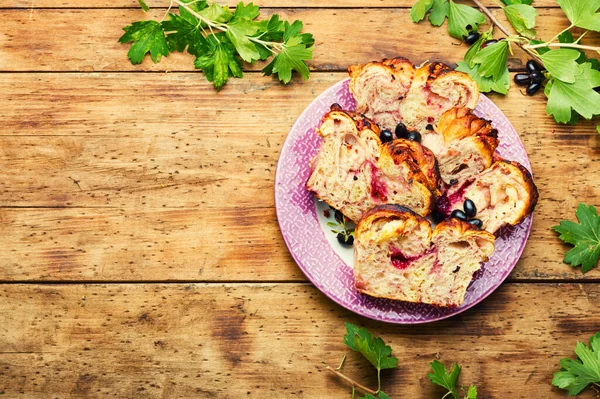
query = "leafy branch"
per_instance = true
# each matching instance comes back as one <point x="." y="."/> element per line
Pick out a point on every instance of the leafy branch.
<point x="571" y="79"/>
<point x="221" y="40"/>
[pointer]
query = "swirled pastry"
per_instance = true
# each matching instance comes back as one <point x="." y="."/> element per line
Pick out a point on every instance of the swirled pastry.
<point x="353" y="171"/>
<point x="398" y="256"/>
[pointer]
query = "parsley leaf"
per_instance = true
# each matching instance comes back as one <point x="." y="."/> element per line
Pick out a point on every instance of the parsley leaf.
<point x="439" y="12"/>
<point x="582" y="13"/>
<point x="147" y="36"/>
<point x="373" y="349"/>
<point x="239" y="32"/>
<point x="585" y="236"/>
<point x="598" y="128"/>
<point x="561" y="64"/>
<point x="296" y="49"/>
<point x="522" y="18"/>
<point x="579" y="96"/>
<point x="443" y="378"/>
<point x="219" y="63"/>
<point x="418" y="11"/>
<point x="449" y="380"/>
<point x="216" y="13"/>
<point x="492" y="60"/>
<point x="576" y="375"/>
<point x="460" y="16"/>
<point x="486" y="84"/>
<point x="183" y="32"/>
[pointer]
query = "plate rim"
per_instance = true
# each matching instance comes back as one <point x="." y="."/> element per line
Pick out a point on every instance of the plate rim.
<point x="313" y="280"/>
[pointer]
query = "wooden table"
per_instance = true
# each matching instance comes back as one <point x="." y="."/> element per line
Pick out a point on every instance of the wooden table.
<point x="141" y="255"/>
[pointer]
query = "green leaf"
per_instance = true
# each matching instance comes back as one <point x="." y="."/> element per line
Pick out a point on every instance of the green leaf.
<point x="579" y="96"/>
<point x="439" y="12"/>
<point x="216" y="13"/>
<point x="472" y="392"/>
<point x="598" y="128"/>
<point x="144" y="5"/>
<point x="296" y="50"/>
<point x="585" y="236"/>
<point x="147" y="36"/>
<point x="183" y="32"/>
<point x="486" y="84"/>
<point x="443" y="378"/>
<point x="540" y="50"/>
<point x="522" y="18"/>
<point x="492" y="60"/>
<point x="219" y="63"/>
<point x="582" y="13"/>
<point x="576" y="375"/>
<point x="418" y="11"/>
<point x="476" y="47"/>
<point x="373" y="349"/>
<point x="249" y="11"/>
<point x="460" y="16"/>
<point x="239" y="32"/>
<point x="196" y="5"/>
<point x="561" y="64"/>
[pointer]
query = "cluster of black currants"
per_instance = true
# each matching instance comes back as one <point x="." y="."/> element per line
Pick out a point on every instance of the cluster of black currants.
<point x="467" y="214"/>
<point x="533" y="78"/>
<point x="401" y="133"/>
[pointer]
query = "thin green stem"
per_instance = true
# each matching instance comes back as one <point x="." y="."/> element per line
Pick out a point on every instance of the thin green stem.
<point x="353" y="391"/>
<point x="448" y="393"/>
<point x="378" y="380"/>
<point x="168" y="10"/>
<point x="351" y="381"/>
<point x="342" y="362"/>
<point x="560" y="33"/>
<point x="565" y="45"/>
<point x="581" y="37"/>
<point x="273" y="46"/>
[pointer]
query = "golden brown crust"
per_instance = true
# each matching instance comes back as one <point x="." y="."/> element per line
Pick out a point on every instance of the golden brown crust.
<point x="393" y="65"/>
<point x="421" y="160"/>
<point x="460" y="122"/>
<point x="465" y="229"/>
<point x="385" y="211"/>
<point x="529" y="184"/>
<point x="361" y="121"/>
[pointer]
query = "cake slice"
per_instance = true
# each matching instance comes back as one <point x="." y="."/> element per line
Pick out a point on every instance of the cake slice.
<point x="353" y="171"/>
<point x="398" y="256"/>
<point x="393" y="91"/>
<point x="463" y="144"/>
<point x="503" y="194"/>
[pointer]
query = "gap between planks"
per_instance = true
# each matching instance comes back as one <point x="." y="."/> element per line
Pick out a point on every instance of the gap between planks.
<point x="509" y="281"/>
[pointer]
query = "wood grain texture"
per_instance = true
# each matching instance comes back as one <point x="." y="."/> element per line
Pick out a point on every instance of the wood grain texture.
<point x="229" y="341"/>
<point x="81" y="43"/>
<point x="163" y="159"/>
<point x="32" y="4"/>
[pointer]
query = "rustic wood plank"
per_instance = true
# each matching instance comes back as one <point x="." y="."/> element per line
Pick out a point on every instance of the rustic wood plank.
<point x="80" y="43"/>
<point x="203" y="341"/>
<point x="107" y="140"/>
<point x="32" y="4"/>
<point x="140" y="245"/>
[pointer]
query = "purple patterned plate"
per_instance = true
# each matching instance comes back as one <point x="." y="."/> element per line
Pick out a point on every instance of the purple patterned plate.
<point x="328" y="266"/>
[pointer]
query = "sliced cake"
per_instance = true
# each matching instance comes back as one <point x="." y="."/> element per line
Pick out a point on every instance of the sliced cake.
<point x="463" y="144"/>
<point x="353" y="171"/>
<point x="398" y="256"/>
<point x="503" y="194"/>
<point x="393" y="91"/>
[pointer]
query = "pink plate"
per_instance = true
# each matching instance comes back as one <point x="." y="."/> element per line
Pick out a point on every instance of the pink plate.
<point x="324" y="261"/>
